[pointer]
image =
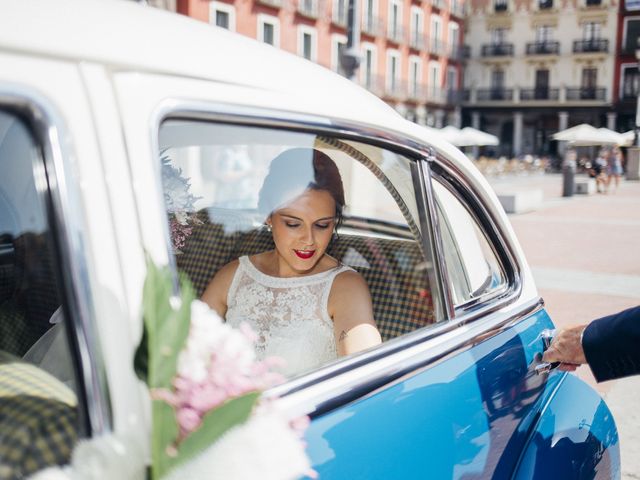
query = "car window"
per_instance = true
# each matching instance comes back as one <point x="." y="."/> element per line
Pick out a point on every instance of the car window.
<point x="473" y="267"/>
<point x="212" y="179"/>
<point x="39" y="417"/>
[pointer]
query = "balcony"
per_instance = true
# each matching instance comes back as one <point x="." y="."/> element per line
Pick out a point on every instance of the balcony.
<point x="308" y="8"/>
<point x="540" y="93"/>
<point x="395" y="33"/>
<point x="372" y="25"/>
<point x="396" y="89"/>
<point x="499" y="94"/>
<point x="457" y="52"/>
<point x="436" y="46"/>
<point x="339" y="17"/>
<point x="587" y="93"/>
<point x="271" y="3"/>
<point x="417" y="41"/>
<point x="456" y="97"/>
<point x="592" y="45"/>
<point x="416" y="92"/>
<point x="436" y="95"/>
<point x="543" y="48"/>
<point x="497" y="50"/>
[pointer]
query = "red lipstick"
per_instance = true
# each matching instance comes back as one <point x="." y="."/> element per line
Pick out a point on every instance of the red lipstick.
<point x="305" y="254"/>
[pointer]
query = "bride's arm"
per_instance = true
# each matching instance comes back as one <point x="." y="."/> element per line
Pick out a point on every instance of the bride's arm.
<point x="215" y="295"/>
<point x="352" y="313"/>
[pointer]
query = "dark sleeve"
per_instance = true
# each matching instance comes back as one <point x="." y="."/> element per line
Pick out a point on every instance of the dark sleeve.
<point x="612" y="345"/>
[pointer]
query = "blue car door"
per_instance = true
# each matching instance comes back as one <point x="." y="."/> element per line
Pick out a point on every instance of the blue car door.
<point x="465" y="400"/>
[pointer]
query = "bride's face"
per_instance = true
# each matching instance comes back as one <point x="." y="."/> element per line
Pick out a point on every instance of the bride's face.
<point x="302" y="231"/>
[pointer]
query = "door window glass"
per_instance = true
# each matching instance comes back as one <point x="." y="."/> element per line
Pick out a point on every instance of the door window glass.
<point x="379" y="237"/>
<point x="39" y="414"/>
<point x="473" y="267"/>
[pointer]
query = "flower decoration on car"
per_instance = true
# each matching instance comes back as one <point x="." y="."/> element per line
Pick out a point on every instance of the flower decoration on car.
<point x="205" y="384"/>
<point x="179" y="203"/>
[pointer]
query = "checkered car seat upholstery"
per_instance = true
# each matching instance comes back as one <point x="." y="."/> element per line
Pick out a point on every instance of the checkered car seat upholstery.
<point x="393" y="269"/>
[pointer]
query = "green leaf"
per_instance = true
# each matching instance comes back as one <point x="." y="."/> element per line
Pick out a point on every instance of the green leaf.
<point x="167" y="329"/>
<point x="164" y="434"/>
<point x="216" y="423"/>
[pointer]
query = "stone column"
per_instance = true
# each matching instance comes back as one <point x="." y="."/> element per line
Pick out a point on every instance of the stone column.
<point x="611" y="120"/>
<point x="517" y="134"/>
<point x="563" y="122"/>
<point x="439" y="118"/>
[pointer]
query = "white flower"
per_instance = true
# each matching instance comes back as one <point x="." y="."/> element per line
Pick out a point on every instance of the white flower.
<point x="265" y="447"/>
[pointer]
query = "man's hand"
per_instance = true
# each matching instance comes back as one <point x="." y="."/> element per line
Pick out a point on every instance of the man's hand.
<point x="566" y="348"/>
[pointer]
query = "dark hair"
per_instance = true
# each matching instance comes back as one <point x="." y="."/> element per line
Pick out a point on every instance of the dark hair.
<point x="296" y="170"/>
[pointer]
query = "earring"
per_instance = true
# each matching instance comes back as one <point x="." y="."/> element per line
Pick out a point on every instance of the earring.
<point x="268" y="225"/>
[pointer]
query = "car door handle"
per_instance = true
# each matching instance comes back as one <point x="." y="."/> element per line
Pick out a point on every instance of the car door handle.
<point x="545" y="367"/>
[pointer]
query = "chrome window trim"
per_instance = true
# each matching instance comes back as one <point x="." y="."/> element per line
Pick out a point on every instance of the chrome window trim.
<point x="486" y="220"/>
<point x="346" y="380"/>
<point x="67" y="226"/>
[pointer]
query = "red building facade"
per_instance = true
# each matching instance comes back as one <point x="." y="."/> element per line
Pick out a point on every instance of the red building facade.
<point x="412" y="50"/>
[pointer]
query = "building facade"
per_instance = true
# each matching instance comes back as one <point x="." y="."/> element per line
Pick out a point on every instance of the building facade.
<point x="626" y="78"/>
<point x="540" y="66"/>
<point x="411" y="50"/>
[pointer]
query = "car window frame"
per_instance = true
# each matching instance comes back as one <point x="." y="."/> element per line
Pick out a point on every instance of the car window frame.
<point x="62" y="196"/>
<point x="445" y="173"/>
<point x="362" y="374"/>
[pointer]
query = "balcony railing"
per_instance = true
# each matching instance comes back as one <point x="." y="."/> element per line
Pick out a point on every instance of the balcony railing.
<point x="436" y="46"/>
<point x="529" y="94"/>
<point x="455" y="97"/>
<point x="497" y="50"/>
<point x="543" y="48"/>
<point x="339" y="17"/>
<point x="395" y="33"/>
<point x="271" y="3"/>
<point x="417" y="41"/>
<point x="457" y="52"/>
<point x="586" y="93"/>
<point x="372" y="25"/>
<point x="436" y="95"/>
<point x="308" y="8"/>
<point x="502" y="94"/>
<point x="593" y="45"/>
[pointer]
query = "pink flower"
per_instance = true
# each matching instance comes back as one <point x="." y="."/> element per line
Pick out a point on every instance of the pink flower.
<point x="188" y="420"/>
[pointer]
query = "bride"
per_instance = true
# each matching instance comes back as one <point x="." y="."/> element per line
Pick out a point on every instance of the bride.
<point x="304" y="305"/>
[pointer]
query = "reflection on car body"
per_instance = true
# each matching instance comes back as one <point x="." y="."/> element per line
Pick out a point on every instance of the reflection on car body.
<point x="451" y="392"/>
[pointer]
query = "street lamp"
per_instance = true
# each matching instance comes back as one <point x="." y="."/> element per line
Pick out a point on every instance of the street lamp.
<point x="350" y="57"/>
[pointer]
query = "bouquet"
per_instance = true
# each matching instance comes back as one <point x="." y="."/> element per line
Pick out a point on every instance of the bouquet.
<point x="205" y="385"/>
<point x="209" y="421"/>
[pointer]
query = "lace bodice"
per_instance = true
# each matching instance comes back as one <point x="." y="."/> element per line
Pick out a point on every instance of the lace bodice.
<point x="289" y="315"/>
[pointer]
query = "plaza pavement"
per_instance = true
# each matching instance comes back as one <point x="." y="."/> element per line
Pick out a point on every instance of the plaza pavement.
<point x="584" y="252"/>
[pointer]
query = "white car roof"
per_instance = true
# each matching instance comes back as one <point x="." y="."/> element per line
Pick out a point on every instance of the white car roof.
<point x="130" y="37"/>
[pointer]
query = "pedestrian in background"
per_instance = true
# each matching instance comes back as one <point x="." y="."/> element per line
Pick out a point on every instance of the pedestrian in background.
<point x="614" y="167"/>
<point x="609" y="345"/>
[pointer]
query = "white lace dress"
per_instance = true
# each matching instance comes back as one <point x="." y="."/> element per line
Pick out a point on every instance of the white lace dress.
<point x="289" y="315"/>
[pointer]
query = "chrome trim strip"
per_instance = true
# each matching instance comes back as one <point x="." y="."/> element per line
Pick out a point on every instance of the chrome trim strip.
<point x="452" y="176"/>
<point x="351" y="378"/>
<point x="359" y="377"/>
<point x="436" y="241"/>
<point x="67" y="225"/>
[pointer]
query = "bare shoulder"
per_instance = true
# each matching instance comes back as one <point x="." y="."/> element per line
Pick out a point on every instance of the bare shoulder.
<point x="226" y="273"/>
<point x="349" y="282"/>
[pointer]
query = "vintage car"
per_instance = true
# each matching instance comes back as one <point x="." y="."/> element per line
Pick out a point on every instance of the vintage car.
<point x="97" y="97"/>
